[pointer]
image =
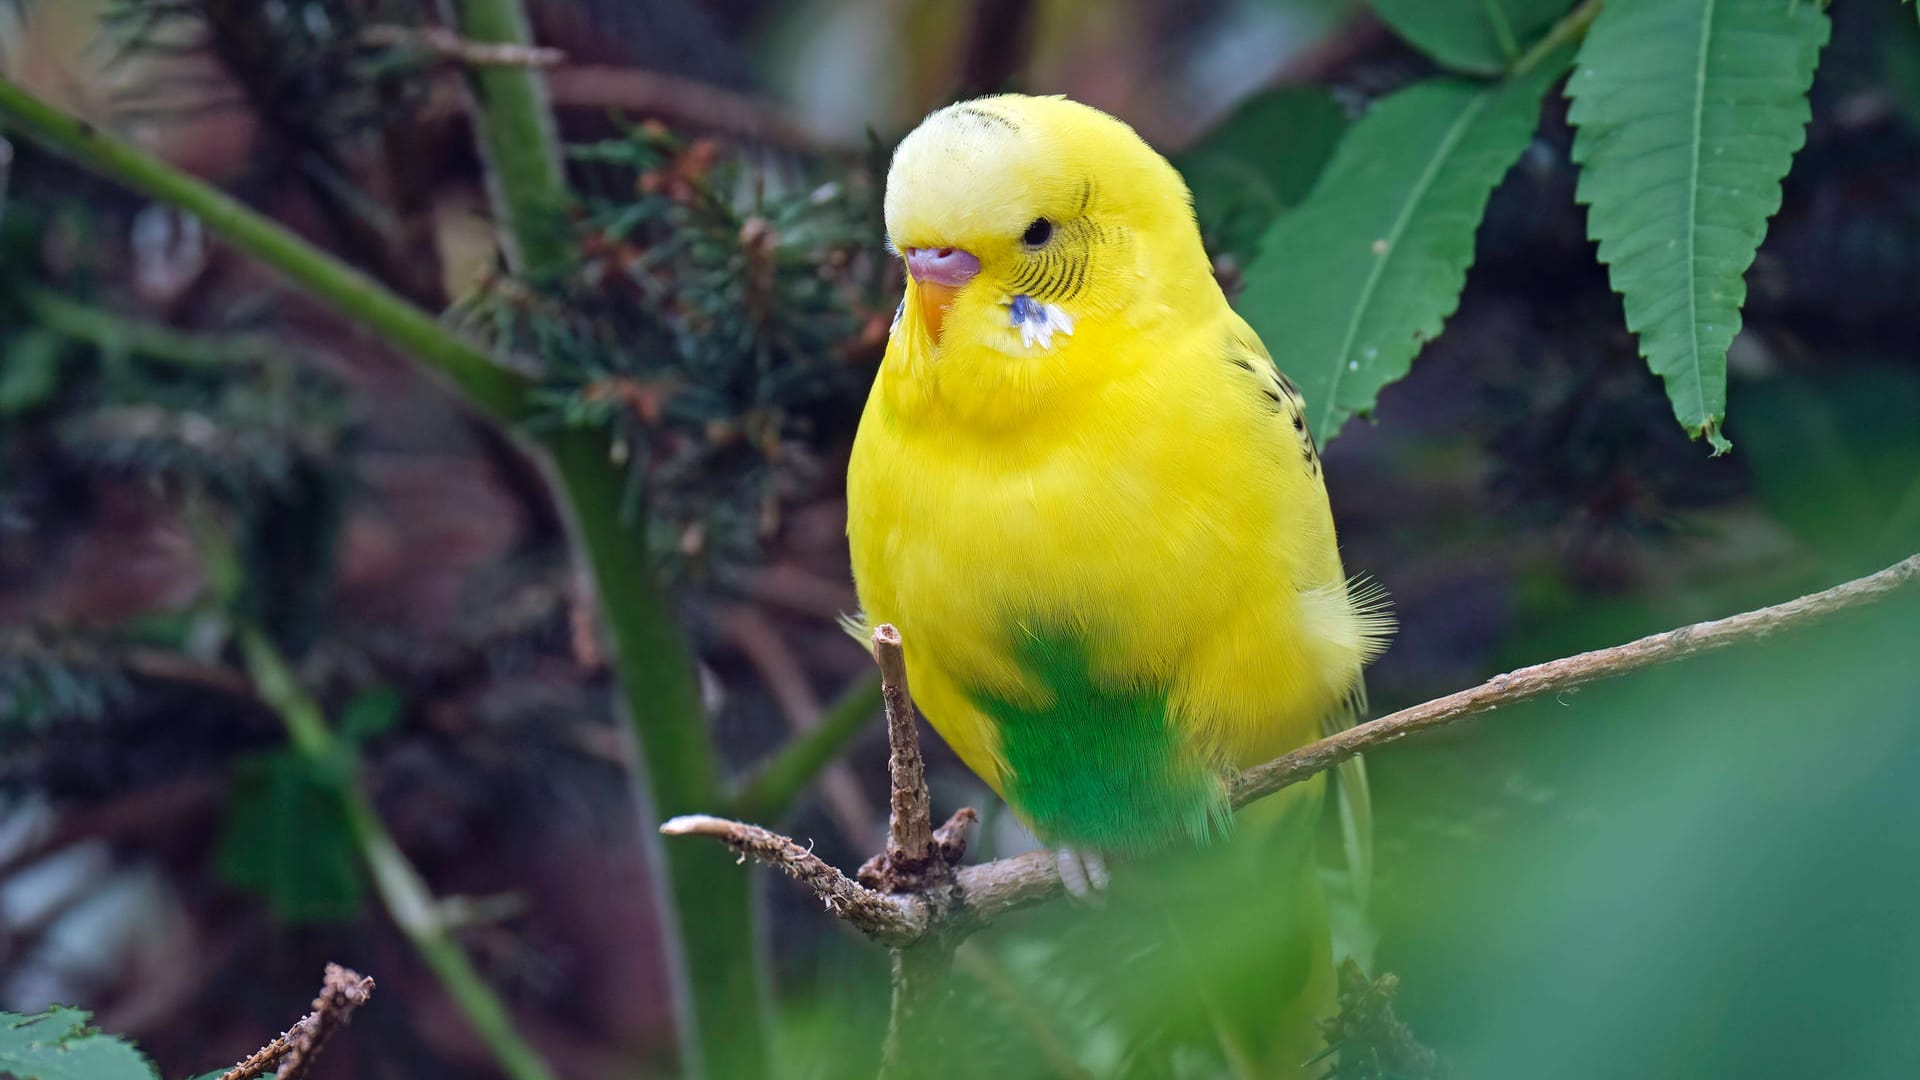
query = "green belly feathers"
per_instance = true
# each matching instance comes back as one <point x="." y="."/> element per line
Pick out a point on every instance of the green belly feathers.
<point x="1097" y="763"/>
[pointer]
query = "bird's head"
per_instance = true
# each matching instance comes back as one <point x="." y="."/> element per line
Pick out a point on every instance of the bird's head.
<point x="1024" y="221"/>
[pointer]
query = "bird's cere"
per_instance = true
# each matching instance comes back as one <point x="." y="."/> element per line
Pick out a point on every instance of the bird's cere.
<point x="947" y="266"/>
<point x="1038" y="322"/>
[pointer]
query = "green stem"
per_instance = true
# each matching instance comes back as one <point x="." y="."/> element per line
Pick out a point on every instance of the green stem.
<point x="499" y="391"/>
<point x="516" y="134"/>
<point x="1502" y="30"/>
<point x="769" y="793"/>
<point x="1571" y="27"/>
<point x="111" y="332"/>
<point x="408" y="901"/>
<point x="707" y="904"/>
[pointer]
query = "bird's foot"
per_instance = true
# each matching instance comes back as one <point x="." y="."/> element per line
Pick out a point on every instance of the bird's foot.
<point x="1085" y="875"/>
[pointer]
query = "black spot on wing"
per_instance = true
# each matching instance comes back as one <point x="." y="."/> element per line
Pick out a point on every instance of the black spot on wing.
<point x="1281" y="396"/>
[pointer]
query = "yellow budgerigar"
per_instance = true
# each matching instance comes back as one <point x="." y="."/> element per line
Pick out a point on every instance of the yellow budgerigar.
<point x="1090" y="501"/>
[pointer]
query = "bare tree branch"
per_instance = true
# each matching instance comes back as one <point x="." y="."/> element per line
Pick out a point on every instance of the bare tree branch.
<point x="888" y="920"/>
<point x="689" y="103"/>
<point x="1566" y="674"/>
<point x="910" y="820"/>
<point x="342" y="990"/>
<point x="977" y="895"/>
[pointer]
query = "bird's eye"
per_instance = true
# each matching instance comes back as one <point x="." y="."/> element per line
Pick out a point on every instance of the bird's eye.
<point x="1037" y="233"/>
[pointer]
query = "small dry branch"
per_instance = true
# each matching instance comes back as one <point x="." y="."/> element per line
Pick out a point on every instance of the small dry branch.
<point x="881" y="917"/>
<point x="342" y="990"/>
<point x="444" y="43"/>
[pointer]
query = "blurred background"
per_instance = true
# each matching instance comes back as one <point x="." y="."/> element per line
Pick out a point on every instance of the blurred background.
<point x="1709" y="870"/>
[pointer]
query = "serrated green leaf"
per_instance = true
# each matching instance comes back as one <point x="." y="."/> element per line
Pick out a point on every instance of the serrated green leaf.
<point x="59" y="1044"/>
<point x="288" y="839"/>
<point x="1484" y="37"/>
<point x="1350" y="285"/>
<point x="1260" y="161"/>
<point x="1688" y="113"/>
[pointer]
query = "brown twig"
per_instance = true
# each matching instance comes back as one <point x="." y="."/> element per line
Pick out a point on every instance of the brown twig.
<point x="910" y="818"/>
<point x="342" y="990"/>
<point x="446" y="44"/>
<point x="977" y="895"/>
<point x="264" y="1058"/>
<point x="1567" y="674"/>
<point x="919" y="860"/>
<point x="884" y="918"/>
<point x="687" y="103"/>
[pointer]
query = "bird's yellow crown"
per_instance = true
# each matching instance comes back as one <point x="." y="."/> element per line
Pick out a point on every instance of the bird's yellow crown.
<point x="1034" y="229"/>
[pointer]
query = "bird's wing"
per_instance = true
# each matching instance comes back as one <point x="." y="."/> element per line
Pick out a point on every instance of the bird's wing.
<point x="1363" y="601"/>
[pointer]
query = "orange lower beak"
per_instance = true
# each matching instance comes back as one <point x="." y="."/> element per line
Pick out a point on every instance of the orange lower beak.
<point x="934" y="299"/>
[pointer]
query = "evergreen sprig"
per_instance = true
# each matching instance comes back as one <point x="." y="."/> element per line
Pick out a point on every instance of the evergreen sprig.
<point x="714" y="325"/>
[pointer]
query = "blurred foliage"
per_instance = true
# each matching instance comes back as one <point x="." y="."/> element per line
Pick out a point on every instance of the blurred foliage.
<point x="1259" y="163"/>
<point x="716" y="327"/>
<point x="47" y="679"/>
<point x="1698" y="872"/>
<point x="288" y="839"/>
<point x="1833" y="461"/>
<point x="310" y="59"/>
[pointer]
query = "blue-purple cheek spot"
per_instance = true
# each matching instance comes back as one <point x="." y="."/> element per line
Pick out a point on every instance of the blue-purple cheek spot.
<point x="1025" y="309"/>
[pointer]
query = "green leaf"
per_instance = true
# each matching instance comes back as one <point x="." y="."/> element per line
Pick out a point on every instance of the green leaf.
<point x="59" y="1044"/>
<point x="1366" y="271"/>
<point x="371" y="714"/>
<point x="1688" y="114"/>
<point x="1480" y="36"/>
<point x="1260" y="161"/>
<point x="289" y="841"/>
<point x="30" y="374"/>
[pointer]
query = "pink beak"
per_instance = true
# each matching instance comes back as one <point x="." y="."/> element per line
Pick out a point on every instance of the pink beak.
<point x="947" y="266"/>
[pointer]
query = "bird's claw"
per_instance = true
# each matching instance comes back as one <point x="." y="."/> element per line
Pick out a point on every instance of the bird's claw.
<point x="1084" y="874"/>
